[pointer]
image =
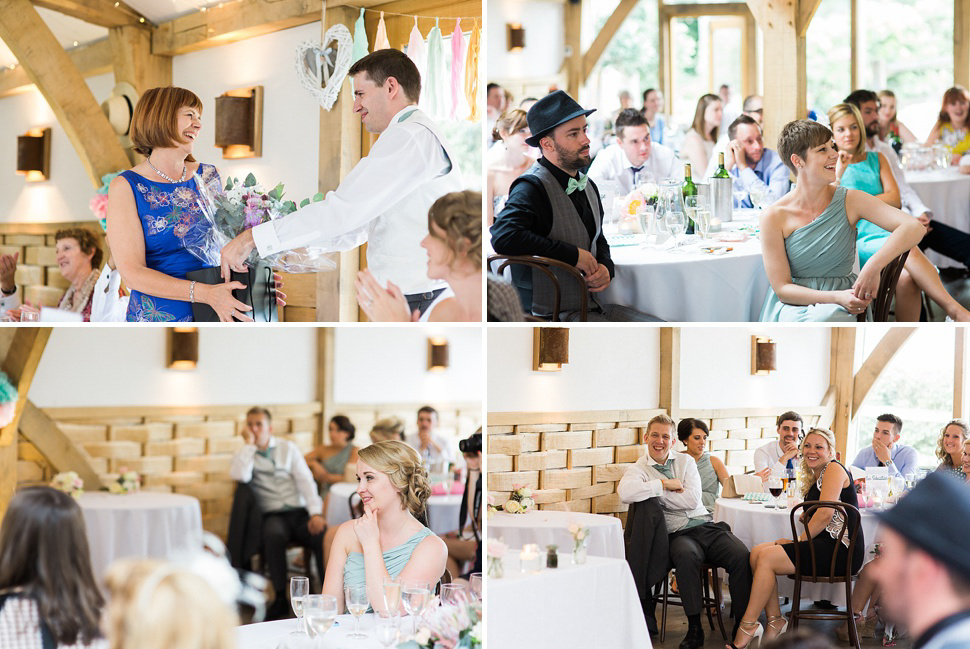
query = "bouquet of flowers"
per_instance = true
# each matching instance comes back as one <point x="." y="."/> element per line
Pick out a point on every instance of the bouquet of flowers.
<point x="449" y="627"/>
<point x="99" y="203"/>
<point x="8" y="400"/>
<point x="128" y="482"/>
<point x="70" y="483"/>
<point x="495" y="550"/>
<point x="520" y="501"/>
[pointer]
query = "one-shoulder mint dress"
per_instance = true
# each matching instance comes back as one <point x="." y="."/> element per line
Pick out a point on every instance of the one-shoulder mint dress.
<point x="864" y="176"/>
<point x="820" y="256"/>
<point x="394" y="560"/>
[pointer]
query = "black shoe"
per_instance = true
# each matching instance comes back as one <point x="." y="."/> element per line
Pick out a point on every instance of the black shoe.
<point x="694" y="638"/>
<point x="825" y="605"/>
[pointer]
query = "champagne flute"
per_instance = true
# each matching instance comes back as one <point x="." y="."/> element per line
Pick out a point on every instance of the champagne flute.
<point x="417" y="594"/>
<point x="475" y="583"/>
<point x="319" y="612"/>
<point x="357" y="604"/>
<point x="387" y="629"/>
<point x="676" y="225"/>
<point x="392" y="595"/>
<point x="738" y="191"/>
<point x="299" y="588"/>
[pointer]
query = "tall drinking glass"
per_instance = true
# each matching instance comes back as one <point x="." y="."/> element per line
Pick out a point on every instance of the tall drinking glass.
<point x="320" y="612"/>
<point x="357" y="603"/>
<point x="417" y="594"/>
<point x="475" y="583"/>
<point x="392" y="595"/>
<point x="387" y="629"/>
<point x="299" y="588"/>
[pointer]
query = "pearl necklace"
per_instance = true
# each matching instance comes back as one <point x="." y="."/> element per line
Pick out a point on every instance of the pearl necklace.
<point x="168" y="178"/>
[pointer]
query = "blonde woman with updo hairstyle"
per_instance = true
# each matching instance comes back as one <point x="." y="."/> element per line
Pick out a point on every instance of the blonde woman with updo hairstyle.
<point x="387" y="428"/>
<point x="155" y="605"/>
<point x="507" y="162"/>
<point x="388" y="540"/>
<point x="822" y="477"/>
<point x="454" y="247"/>
<point x="949" y="449"/>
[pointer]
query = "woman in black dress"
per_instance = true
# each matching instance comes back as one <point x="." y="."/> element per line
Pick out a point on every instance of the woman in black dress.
<point x="822" y="478"/>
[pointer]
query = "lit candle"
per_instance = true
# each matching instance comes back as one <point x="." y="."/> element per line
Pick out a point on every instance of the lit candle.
<point x="529" y="558"/>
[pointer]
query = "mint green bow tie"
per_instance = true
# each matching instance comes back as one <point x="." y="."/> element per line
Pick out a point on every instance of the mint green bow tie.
<point x="574" y="184"/>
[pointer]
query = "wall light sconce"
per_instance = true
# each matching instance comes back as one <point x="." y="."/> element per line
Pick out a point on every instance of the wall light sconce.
<point x="34" y="154"/>
<point x="183" y="348"/>
<point x="762" y="355"/>
<point x="239" y="123"/>
<point x="437" y="354"/>
<point x="550" y="348"/>
<point x="516" y="36"/>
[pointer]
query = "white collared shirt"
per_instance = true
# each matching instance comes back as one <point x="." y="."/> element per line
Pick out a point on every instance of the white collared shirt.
<point x="768" y="456"/>
<point x="11" y="301"/>
<point x="612" y="164"/>
<point x="290" y="467"/>
<point x="107" y="305"/>
<point x="384" y="200"/>
<point x="642" y="481"/>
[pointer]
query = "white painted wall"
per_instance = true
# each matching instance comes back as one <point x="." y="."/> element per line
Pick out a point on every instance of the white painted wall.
<point x="544" y="42"/>
<point x="609" y="368"/>
<point x="389" y="365"/>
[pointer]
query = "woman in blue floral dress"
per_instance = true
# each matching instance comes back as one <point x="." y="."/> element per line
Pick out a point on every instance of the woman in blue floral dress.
<point x="155" y="204"/>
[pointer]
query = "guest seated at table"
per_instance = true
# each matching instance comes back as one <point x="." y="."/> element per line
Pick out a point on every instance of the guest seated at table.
<point x="78" y="258"/>
<point x="753" y="108"/>
<point x="48" y="594"/>
<point x="388" y="540"/>
<point x="951" y="124"/>
<point x="431" y="445"/>
<point x="512" y="129"/>
<point x="159" y="605"/>
<point x="758" y="169"/>
<point x="949" y="449"/>
<point x="328" y="461"/>
<point x="463" y="543"/>
<point x="870" y="172"/>
<point x="653" y="103"/>
<point x="693" y="434"/>
<point x="823" y="478"/>
<point x="886" y="449"/>
<point x="546" y="216"/>
<point x="966" y="461"/>
<point x="891" y="130"/>
<point x="282" y="504"/>
<point x="808" y="237"/>
<point x="780" y="456"/>
<point x="698" y="145"/>
<point x="387" y="428"/>
<point x="694" y="538"/>
<point x="633" y="158"/>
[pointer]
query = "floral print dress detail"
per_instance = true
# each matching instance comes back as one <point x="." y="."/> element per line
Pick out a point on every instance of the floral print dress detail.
<point x="168" y="212"/>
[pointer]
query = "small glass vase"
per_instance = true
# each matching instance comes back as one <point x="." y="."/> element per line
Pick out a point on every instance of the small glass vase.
<point x="495" y="568"/>
<point x="579" y="552"/>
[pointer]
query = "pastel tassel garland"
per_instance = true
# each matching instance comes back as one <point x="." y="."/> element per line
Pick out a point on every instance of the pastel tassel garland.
<point x="434" y="82"/>
<point x="380" y="41"/>
<point x="471" y="74"/>
<point x="418" y="53"/>
<point x="8" y="400"/>
<point x="457" y="71"/>
<point x="360" y="39"/>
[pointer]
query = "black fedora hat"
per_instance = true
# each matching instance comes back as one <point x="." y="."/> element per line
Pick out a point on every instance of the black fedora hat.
<point x="935" y="517"/>
<point x="549" y="112"/>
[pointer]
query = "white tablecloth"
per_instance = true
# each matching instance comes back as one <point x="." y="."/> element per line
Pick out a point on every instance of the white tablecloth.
<point x="592" y="606"/>
<point x="947" y="194"/>
<point x="442" y="510"/>
<point x="753" y="523"/>
<point x="691" y="286"/>
<point x="548" y="527"/>
<point x="276" y="635"/>
<point x="142" y="525"/>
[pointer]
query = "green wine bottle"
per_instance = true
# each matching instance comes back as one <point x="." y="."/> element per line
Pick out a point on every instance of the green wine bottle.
<point x="690" y="189"/>
<point x="721" y="171"/>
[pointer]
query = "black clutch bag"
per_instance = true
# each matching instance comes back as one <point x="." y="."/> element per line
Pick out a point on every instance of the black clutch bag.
<point x="259" y="292"/>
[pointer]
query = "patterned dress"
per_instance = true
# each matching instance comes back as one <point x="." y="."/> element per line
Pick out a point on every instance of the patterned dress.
<point x="169" y="212"/>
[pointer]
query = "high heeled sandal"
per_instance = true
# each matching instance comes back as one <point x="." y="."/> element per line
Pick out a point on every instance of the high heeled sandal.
<point x="771" y="619"/>
<point x="865" y="626"/>
<point x="758" y="633"/>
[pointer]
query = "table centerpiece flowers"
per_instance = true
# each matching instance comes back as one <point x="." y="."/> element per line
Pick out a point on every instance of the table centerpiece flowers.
<point x="449" y="627"/>
<point x="494" y="551"/>
<point x="127" y="482"/>
<point x="70" y="483"/>
<point x="580" y="536"/>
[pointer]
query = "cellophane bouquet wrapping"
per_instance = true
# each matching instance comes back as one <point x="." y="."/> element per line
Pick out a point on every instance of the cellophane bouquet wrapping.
<point x="228" y="211"/>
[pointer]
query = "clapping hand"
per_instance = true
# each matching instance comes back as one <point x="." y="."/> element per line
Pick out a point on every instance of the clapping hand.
<point x="8" y="266"/>
<point x="380" y="304"/>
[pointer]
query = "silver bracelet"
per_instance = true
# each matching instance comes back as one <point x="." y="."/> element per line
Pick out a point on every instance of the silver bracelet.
<point x="192" y="291"/>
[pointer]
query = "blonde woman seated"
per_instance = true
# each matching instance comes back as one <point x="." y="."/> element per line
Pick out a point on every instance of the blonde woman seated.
<point x="388" y="540"/>
<point x="949" y="450"/>
<point x="454" y="247"/>
<point x="966" y="461"/>
<point x="512" y="129"/>
<point x="808" y="237"/>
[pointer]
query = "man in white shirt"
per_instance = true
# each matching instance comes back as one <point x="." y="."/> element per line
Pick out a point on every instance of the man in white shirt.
<point x="633" y="158"/>
<point x="432" y="446"/>
<point x="753" y="107"/>
<point x="777" y="457"/>
<point x="694" y="538"/>
<point x="287" y="496"/>
<point x="384" y="200"/>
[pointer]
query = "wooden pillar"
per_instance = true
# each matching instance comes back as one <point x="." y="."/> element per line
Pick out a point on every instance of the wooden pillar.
<point x="573" y="64"/>
<point x="749" y="57"/>
<point x="855" y="77"/>
<point x="62" y="85"/>
<point x="961" y="43"/>
<point x="670" y="370"/>
<point x="876" y="362"/>
<point x="960" y="372"/>
<point x="665" y="66"/>
<point x="133" y="61"/>
<point x="325" y="353"/>
<point x="841" y="378"/>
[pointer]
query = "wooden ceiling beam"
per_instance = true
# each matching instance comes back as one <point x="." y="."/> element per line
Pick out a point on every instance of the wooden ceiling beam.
<point x="134" y="62"/>
<point x="104" y="13"/>
<point x="54" y="444"/>
<point x="21" y="354"/>
<point x="89" y="60"/>
<point x="877" y="361"/>
<point x="605" y="35"/>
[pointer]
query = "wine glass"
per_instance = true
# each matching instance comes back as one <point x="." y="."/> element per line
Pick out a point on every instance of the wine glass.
<point x="759" y="197"/>
<point x="701" y="214"/>
<point x="357" y="603"/>
<point x="775" y="487"/>
<point x="475" y="583"/>
<point x="417" y="594"/>
<point x="453" y="595"/>
<point x="386" y="627"/>
<point x="392" y="595"/>
<point x="676" y="224"/>
<point x="738" y="191"/>
<point x="299" y="588"/>
<point x="319" y="612"/>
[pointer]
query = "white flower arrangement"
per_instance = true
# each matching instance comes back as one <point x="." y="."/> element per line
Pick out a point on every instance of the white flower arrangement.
<point x="70" y="483"/>
<point x="449" y="627"/>
<point x="520" y="502"/>
<point x="579" y="534"/>
<point x="127" y="482"/>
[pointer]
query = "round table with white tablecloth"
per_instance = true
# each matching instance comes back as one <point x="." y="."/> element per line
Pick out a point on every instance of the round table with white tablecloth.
<point x="547" y="527"/>
<point x="753" y="523"/>
<point x="591" y="606"/>
<point x="703" y="281"/>
<point x="947" y="193"/>
<point x="278" y="634"/>
<point x="141" y="525"/>
<point x="442" y="510"/>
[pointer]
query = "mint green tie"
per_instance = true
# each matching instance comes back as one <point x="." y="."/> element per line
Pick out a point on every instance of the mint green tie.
<point x="574" y="184"/>
<point x="667" y="468"/>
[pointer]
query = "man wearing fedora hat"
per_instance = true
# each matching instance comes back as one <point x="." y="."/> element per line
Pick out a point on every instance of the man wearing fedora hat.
<point x="554" y="211"/>
<point x="924" y="564"/>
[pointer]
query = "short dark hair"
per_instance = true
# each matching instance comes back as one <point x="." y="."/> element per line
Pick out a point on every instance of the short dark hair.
<point x="798" y="137"/>
<point x="342" y="422"/>
<point x="646" y="93"/>
<point x="791" y="415"/>
<point x="428" y="409"/>
<point x="629" y="117"/>
<point x="489" y="87"/>
<point x="859" y="97"/>
<point x="742" y="119"/>
<point x="687" y="426"/>
<point x="891" y="419"/>
<point x="747" y="102"/>
<point x="379" y="65"/>
<point x="259" y="410"/>
<point x="86" y="241"/>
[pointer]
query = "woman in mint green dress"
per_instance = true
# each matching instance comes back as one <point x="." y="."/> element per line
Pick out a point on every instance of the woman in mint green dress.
<point x="388" y="540"/>
<point x="808" y="238"/>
